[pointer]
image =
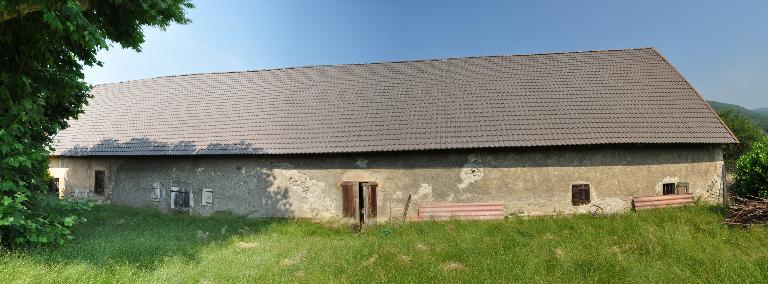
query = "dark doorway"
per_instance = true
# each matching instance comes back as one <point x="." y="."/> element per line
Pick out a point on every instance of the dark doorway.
<point x="669" y="188"/>
<point x="53" y="186"/>
<point x="98" y="184"/>
<point x="361" y="201"/>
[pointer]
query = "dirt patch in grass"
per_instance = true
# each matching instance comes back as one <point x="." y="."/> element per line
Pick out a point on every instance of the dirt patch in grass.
<point x="421" y="247"/>
<point x="294" y="259"/>
<point x="371" y="260"/>
<point x="559" y="253"/>
<point x="243" y="245"/>
<point x="452" y="266"/>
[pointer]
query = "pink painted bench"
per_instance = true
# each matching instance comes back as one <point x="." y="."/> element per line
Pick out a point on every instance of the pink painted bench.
<point x="475" y="211"/>
<point x="659" y="201"/>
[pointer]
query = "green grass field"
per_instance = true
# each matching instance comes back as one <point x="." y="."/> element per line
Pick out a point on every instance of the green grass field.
<point x="133" y="245"/>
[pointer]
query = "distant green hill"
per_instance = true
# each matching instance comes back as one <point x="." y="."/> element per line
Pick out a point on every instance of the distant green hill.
<point x="759" y="116"/>
<point x="763" y="111"/>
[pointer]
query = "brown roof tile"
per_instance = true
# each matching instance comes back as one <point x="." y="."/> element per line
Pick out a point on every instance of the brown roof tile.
<point x="577" y="98"/>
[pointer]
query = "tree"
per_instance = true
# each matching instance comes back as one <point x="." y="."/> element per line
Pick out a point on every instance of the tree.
<point x="745" y="130"/>
<point x="44" y="45"/>
<point x="751" y="174"/>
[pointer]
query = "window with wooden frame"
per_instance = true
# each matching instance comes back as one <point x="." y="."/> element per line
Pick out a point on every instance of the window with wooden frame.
<point x="98" y="184"/>
<point x="669" y="188"/>
<point x="580" y="194"/>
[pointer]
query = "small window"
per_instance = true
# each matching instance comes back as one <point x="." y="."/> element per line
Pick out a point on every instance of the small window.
<point x="669" y="188"/>
<point x="98" y="186"/>
<point x="580" y="194"/>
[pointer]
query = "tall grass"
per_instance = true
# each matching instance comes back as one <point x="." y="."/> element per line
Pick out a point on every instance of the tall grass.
<point x="139" y="245"/>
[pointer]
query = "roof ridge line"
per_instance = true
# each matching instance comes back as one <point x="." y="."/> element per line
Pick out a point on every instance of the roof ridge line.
<point x="375" y="63"/>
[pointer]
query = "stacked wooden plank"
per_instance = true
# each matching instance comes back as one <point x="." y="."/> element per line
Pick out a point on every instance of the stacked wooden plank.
<point x="672" y="200"/>
<point x="476" y="211"/>
<point x="745" y="211"/>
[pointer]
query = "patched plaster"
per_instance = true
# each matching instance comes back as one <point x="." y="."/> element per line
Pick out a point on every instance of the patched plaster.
<point x="471" y="172"/>
<point x="425" y="193"/>
<point x="310" y="192"/>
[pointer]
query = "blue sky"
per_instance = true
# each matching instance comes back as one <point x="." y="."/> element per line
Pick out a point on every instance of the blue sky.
<point x="720" y="46"/>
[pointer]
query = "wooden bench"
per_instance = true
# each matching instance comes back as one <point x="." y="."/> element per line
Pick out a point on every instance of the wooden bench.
<point x="476" y="211"/>
<point x="672" y="200"/>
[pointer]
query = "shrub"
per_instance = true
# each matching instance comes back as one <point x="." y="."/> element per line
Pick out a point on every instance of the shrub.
<point x="39" y="218"/>
<point x="751" y="173"/>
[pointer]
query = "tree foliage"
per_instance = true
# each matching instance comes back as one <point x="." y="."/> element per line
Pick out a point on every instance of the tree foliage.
<point x="44" y="45"/>
<point x="745" y="130"/>
<point x="751" y="173"/>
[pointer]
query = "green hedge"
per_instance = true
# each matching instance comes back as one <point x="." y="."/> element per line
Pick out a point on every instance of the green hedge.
<point x="751" y="173"/>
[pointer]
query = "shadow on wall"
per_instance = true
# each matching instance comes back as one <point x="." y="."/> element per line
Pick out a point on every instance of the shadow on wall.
<point x="144" y="146"/>
<point x="263" y="195"/>
<point x="549" y="156"/>
<point x="251" y="192"/>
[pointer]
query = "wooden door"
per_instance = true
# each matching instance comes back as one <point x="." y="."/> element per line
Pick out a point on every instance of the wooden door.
<point x="348" y="200"/>
<point x="371" y="204"/>
<point x="359" y="201"/>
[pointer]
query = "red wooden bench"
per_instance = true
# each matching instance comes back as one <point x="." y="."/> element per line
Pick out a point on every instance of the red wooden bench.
<point x="672" y="200"/>
<point x="477" y="211"/>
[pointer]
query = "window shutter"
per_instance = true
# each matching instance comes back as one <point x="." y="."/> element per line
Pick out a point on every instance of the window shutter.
<point x="682" y="188"/>
<point x="371" y="200"/>
<point x="207" y="197"/>
<point x="348" y="199"/>
<point x="156" y="194"/>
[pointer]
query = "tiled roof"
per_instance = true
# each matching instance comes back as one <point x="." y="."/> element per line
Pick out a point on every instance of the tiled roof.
<point x="575" y="98"/>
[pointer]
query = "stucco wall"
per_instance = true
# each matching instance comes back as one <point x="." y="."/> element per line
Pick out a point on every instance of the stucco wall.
<point x="530" y="181"/>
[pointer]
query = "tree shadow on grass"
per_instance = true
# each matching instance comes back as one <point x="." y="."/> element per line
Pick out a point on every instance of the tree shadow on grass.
<point x="143" y="237"/>
<point x="721" y="210"/>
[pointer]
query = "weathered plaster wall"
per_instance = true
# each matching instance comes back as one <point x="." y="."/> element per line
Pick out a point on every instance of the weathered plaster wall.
<point x="529" y="181"/>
